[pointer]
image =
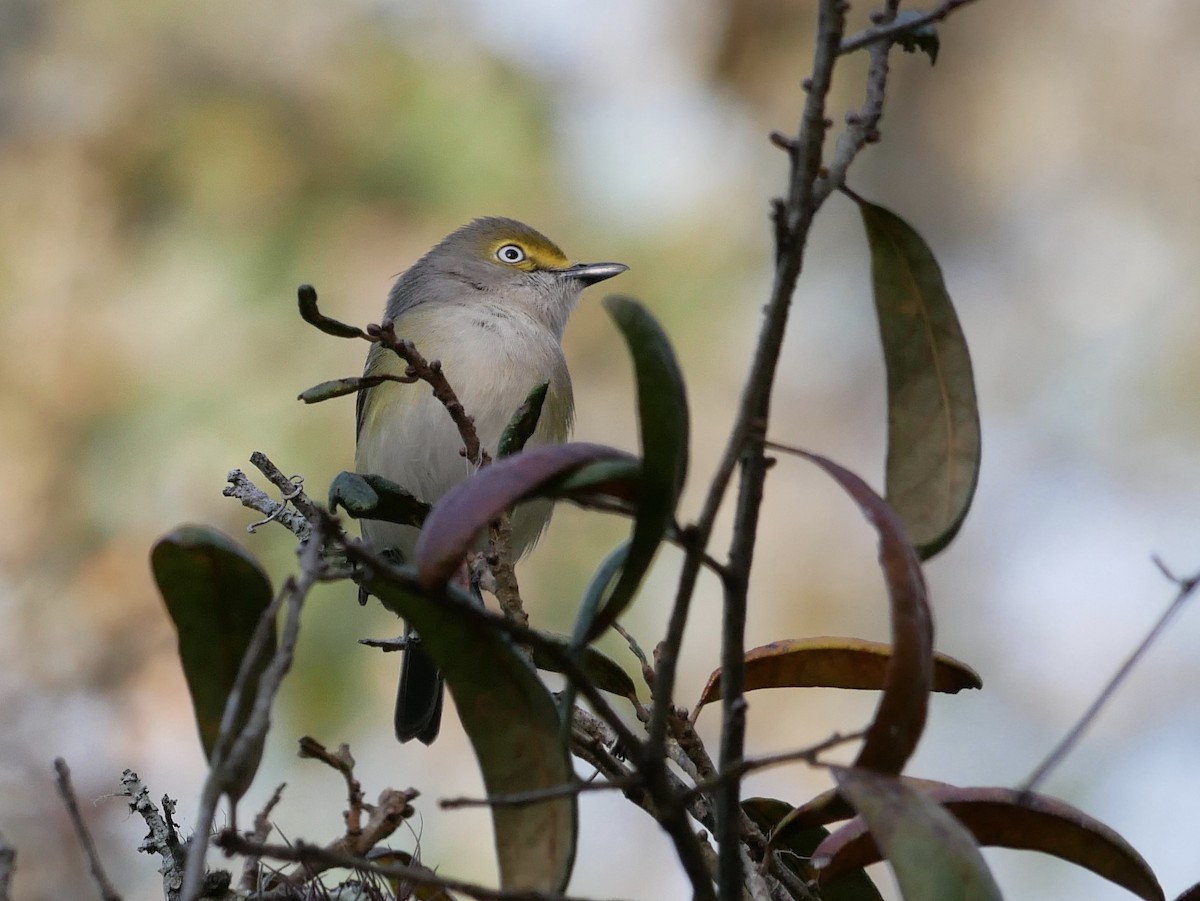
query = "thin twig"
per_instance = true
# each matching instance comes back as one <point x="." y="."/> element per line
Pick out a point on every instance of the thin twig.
<point x="343" y="762"/>
<point x="8" y="863"/>
<point x="807" y="755"/>
<point x="430" y="372"/>
<point x="241" y="488"/>
<point x="1186" y="587"/>
<point x="793" y="223"/>
<point x="260" y="833"/>
<point x="323" y="858"/>
<point x="67" y="791"/>
<point x="162" y="838"/>
<point x="522" y="799"/>
<point x="890" y="30"/>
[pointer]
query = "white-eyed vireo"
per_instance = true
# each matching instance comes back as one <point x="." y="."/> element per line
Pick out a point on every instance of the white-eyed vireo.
<point x="490" y="302"/>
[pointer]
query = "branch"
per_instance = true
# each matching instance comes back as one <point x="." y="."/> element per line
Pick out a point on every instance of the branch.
<point x="430" y="372"/>
<point x="163" y="838"/>
<point x="8" y="863"/>
<point x="1186" y="587"/>
<point x="67" y="791"/>
<point x="260" y="833"/>
<point x="311" y="856"/>
<point x="889" y="31"/>
<point x="241" y="488"/>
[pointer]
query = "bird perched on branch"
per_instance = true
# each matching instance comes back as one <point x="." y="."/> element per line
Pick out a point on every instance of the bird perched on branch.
<point x="490" y="302"/>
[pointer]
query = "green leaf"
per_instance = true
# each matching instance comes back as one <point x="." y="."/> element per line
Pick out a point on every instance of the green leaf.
<point x="370" y="496"/>
<point x="610" y="484"/>
<point x="663" y="417"/>
<point x="931" y="853"/>
<point x="523" y="423"/>
<point x="215" y="593"/>
<point x="342" y="387"/>
<point x="601" y="669"/>
<point x="1008" y="818"/>
<point x="933" y="419"/>
<point x="306" y="296"/>
<point x="900" y="717"/>
<point x="796" y="844"/>
<point x="828" y="662"/>
<point x="512" y="722"/>
<point x="475" y="502"/>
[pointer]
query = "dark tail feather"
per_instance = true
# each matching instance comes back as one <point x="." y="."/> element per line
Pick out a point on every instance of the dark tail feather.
<point x="419" y="701"/>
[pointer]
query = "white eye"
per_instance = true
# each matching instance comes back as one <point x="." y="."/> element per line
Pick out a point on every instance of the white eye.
<point x="511" y="253"/>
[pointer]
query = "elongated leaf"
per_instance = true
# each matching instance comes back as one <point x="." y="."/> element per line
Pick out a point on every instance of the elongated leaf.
<point x="474" y="503"/>
<point x="513" y="724"/>
<point x="306" y="298"/>
<point x="900" y="716"/>
<point x="796" y="846"/>
<point x="610" y="485"/>
<point x="663" y="418"/>
<point x="1007" y="818"/>
<point x="933" y="419"/>
<point x="341" y="387"/>
<point x="1192" y="894"/>
<point x="524" y="421"/>
<point x="215" y="593"/>
<point x="601" y="669"/>
<point x="370" y="496"/>
<point x="931" y="853"/>
<point x="833" y="663"/>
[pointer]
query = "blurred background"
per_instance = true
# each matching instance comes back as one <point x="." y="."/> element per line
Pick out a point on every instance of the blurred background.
<point x="170" y="172"/>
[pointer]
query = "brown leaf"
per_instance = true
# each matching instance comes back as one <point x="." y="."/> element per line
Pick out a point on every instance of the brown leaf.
<point x="932" y="856"/>
<point x="828" y="662"/>
<point x="900" y="716"/>
<point x="1007" y="818"/>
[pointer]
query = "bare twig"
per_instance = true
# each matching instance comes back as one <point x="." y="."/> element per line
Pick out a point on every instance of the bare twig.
<point x="163" y="838"/>
<point x="8" y="863"/>
<point x="316" y="858"/>
<point x="67" y="791"/>
<point x="260" y="833"/>
<point x="342" y="761"/>
<point x="286" y="485"/>
<point x="1186" y="587"/>
<point x="241" y="488"/>
<point x="793" y="220"/>
<point x="430" y="372"/>
<point x="889" y="30"/>
<point x="522" y="799"/>
<point x="808" y="755"/>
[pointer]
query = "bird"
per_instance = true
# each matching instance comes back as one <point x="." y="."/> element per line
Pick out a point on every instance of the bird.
<point x="490" y="301"/>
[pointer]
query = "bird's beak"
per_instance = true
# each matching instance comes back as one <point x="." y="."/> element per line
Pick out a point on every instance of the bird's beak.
<point x="590" y="273"/>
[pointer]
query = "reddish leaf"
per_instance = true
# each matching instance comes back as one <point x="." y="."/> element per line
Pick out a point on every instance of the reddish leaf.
<point x="900" y="716"/>
<point x="1007" y="818"/>
<point x="932" y="856"/>
<point x="833" y="663"/>
<point x="473" y="504"/>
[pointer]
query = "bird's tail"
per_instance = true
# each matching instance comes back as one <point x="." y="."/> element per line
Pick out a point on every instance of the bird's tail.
<point x="419" y="700"/>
